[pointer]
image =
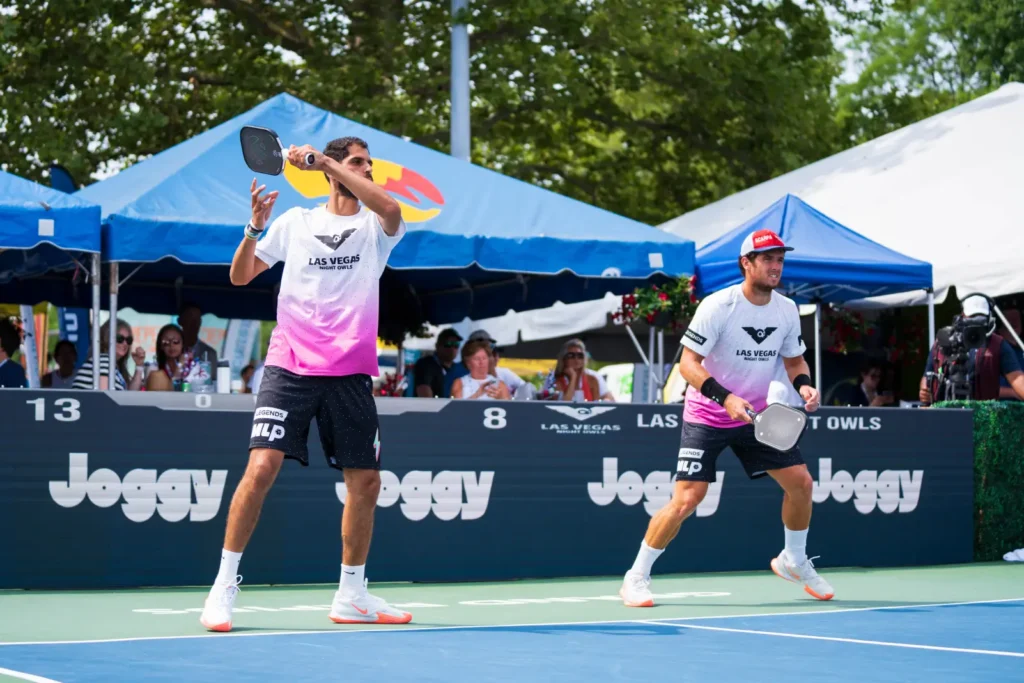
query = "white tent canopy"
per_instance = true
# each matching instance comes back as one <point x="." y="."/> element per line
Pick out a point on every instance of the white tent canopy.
<point x="944" y="190"/>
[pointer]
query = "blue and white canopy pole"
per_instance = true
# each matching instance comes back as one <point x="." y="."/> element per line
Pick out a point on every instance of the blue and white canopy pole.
<point x="114" y="275"/>
<point x="460" y="138"/>
<point x="95" y="329"/>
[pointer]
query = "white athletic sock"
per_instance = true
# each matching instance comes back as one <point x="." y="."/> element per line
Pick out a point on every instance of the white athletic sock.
<point x="351" y="583"/>
<point x="796" y="545"/>
<point x="228" y="568"/>
<point x="645" y="559"/>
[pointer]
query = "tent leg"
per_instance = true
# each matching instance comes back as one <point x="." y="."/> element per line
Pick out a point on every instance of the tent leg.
<point x="661" y="367"/>
<point x="95" y="321"/>
<point x="817" y="346"/>
<point x="113" y="327"/>
<point x="650" y="366"/>
<point x="931" y="318"/>
<point x="33" y="350"/>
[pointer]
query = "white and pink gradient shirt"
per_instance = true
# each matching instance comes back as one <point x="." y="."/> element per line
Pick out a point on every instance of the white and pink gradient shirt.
<point x="330" y="290"/>
<point x="743" y="346"/>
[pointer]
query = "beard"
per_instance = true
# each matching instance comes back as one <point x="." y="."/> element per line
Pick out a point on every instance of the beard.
<point x="765" y="285"/>
<point x="345" y="192"/>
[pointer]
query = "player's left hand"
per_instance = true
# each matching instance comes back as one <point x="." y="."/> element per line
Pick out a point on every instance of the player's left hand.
<point x="810" y="397"/>
<point x="297" y="158"/>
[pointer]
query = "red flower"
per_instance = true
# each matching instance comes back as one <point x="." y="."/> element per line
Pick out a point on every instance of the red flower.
<point x="663" y="296"/>
<point x="650" y="317"/>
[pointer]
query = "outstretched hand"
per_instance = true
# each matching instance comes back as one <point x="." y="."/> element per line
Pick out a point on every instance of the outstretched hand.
<point x="262" y="207"/>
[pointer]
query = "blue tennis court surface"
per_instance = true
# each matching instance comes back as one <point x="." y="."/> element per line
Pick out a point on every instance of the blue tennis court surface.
<point x="982" y="641"/>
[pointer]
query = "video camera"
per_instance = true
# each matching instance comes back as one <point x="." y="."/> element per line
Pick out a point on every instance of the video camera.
<point x="955" y="378"/>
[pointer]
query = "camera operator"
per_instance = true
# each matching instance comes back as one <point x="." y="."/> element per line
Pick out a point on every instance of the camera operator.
<point x="970" y="351"/>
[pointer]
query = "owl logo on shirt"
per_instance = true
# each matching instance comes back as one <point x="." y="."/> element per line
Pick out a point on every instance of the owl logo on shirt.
<point x="759" y="335"/>
<point x="335" y="241"/>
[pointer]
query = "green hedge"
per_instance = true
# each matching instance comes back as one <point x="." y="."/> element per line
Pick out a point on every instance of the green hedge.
<point x="998" y="476"/>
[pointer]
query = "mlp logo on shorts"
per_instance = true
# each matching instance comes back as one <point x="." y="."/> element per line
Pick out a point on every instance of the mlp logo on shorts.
<point x="419" y="198"/>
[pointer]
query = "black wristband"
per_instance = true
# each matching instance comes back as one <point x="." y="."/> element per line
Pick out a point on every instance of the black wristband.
<point x="715" y="391"/>
<point x="801" y="381"/>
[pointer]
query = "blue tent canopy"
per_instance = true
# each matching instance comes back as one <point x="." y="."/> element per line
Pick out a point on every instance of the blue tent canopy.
<point x="44" y="235"/>
<point x="478" y="243"/>
<point x="830" y="262"/>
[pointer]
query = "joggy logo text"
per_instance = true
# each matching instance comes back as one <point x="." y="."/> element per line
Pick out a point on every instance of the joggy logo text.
<point x="655" y="489"/>
<point x="144" y="491"/>
<point x="889" y="490"/>
<point x="447" y="494"/>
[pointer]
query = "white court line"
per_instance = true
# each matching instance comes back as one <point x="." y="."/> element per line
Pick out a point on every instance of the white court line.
<point x="376" y="629"/>
<point x="26" y="677"/>
<point x="857" y="641"/>
<point x="669" y="620"/>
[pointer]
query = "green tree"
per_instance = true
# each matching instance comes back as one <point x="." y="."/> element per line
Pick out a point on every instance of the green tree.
<point x="645" y="107"/>
<point x="921" y="57"/>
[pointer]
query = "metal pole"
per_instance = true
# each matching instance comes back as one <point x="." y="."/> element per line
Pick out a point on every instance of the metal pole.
<point x="460" y="138"/>
<point x="931" y="319"/>
<point x="113" y="328"/>
<point x="817" y="346"/>
<point x="662" y="375"/>
<point x="95" y="321"/>
<point x="1008" y="326"/>
<point x="650" y="367"/>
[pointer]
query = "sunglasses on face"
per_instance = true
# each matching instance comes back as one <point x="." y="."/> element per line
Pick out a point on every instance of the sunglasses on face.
<point x="574" y="354"/>
<point x="171" y="342"/>
<point x="451" y="344"/>
<point x="121" y="339"/>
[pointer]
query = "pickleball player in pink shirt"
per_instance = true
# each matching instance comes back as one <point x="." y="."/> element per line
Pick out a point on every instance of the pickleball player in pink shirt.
<point x="322" y="355"/>
<point x="732" y="351"/>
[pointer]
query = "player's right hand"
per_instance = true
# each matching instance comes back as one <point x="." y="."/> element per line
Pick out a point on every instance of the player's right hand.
<point x="262" y="207"/>
<point x="737" y="408"/>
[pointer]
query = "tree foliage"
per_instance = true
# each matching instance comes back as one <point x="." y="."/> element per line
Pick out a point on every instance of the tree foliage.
<point x="921" y="57"/>
<point x="644" y="107"/>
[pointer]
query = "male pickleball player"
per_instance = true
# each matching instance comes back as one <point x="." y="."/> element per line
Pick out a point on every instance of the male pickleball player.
<point x="321" y="357"/>
<point x="732" y="350"/>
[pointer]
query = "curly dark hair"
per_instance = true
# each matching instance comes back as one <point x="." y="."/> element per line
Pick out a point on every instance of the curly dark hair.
<point x="338" y="149"/>
<point x="10" y="336"/>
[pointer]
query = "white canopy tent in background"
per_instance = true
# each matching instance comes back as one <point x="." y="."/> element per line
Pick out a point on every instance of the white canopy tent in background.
<point x="945" y="190"/>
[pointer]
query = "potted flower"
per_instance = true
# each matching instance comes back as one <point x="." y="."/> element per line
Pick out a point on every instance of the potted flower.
<point x="669" y="306"/>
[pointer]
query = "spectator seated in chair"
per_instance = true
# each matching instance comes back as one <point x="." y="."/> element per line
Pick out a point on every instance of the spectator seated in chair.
<point x="479" y="383"/>
<point x="122" y="380"/>
<point x="570" y="379"/>
<point x="863" y="393"/>
<point x="12" y="375"/>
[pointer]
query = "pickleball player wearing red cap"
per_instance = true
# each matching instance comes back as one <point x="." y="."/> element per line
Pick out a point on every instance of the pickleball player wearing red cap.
<point x="732" y="350"/>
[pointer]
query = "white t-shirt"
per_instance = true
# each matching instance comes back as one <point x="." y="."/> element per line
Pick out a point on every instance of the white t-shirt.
<point x="470" y="386"/>
<point x="330" y="291"/>
<point x="511" y="379"/>
<point x="743" y="346"/>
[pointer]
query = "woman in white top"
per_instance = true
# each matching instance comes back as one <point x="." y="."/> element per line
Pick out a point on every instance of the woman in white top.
<point x="479" y="383"/>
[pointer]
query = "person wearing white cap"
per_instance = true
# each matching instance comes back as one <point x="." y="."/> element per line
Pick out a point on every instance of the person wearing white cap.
<point x="986" y="365"/>
<point x="739" y="341"/>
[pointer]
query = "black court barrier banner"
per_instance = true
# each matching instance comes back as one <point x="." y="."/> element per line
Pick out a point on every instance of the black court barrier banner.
<point x="105" y="489"/>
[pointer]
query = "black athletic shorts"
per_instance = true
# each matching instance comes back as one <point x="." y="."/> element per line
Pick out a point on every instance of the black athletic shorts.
<point x="701" y="444"/>
<point x="345" y="413"/>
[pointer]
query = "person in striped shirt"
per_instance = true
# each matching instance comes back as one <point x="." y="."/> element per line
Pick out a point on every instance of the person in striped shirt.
<point x="122" y="380"/>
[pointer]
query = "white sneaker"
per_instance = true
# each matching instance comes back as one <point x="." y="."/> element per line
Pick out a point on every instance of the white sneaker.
<point x="804" y="574"/>
<point x="636" y="590"/>
<point x="1015" y="555"/>
<point x="216" y="614"/>
<point x="365" y="609"/>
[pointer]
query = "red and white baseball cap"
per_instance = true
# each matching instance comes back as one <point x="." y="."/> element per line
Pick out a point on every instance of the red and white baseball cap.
<point x="762" y="240"/>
